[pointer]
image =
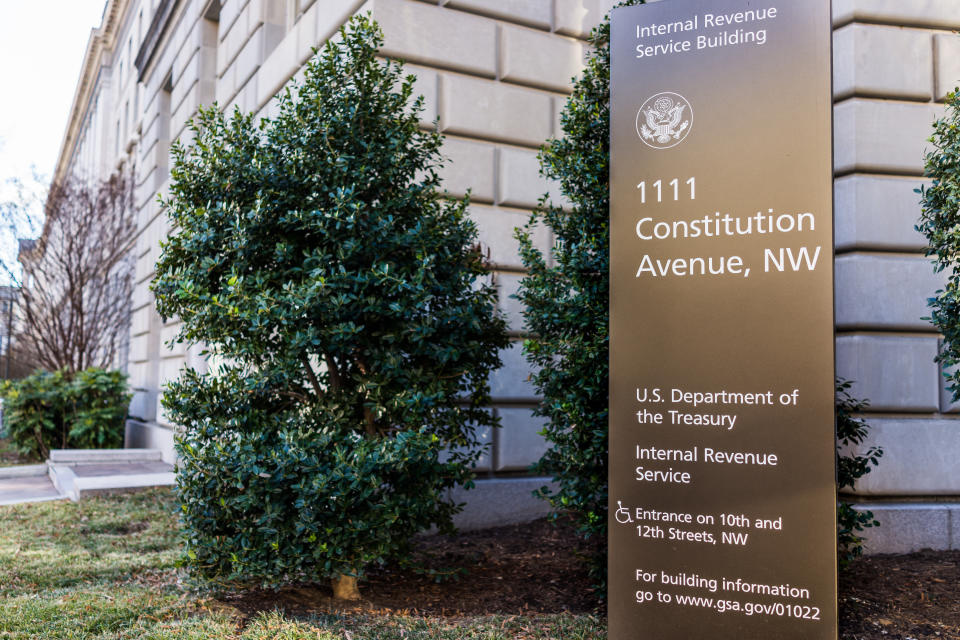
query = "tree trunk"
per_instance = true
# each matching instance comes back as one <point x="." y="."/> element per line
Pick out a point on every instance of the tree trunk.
<point x="345" y="587"/>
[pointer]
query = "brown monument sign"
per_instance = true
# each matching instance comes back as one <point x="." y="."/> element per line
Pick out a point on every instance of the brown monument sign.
<point x="722" y="503"/>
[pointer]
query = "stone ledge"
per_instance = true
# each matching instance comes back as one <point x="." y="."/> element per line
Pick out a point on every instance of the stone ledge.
<point x="151" y="435"/>
<point x="500" y="501"/>
<point x="23" y="471"/>
<point x="74" y="481"/>
<point x="905" y="528"/>
<point x="97" y="456"/>
<point x="920" y="457"/>
<point x="895" y="373"/>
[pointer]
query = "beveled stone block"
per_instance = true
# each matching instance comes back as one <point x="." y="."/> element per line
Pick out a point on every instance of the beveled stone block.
<point x="919" y="458"/>
<point x="496" y="226"/>
<point x="519" y="181"/>
<point x="895" y="373"/>
<point x="881" y="61"/>
<point x="877" y="212"/>
<point x="536" y="13"/>
<point x="905" y="528"/>
<point x="539" y="59"/>
<point x="512" y="380"/>
<point x="437" y="37"/>
<point x="469" y="165"/>
<point x="941" y="14"/>
<point x="479" y="108"/>
<point x="947" y="67"/>
<point x="884" y="291"/>
<point x="882" y="136"/>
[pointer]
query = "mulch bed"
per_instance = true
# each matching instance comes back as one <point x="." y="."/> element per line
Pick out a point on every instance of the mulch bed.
<point x="522" y="569"/>
<point x="538" y="568"/>
<point x="899" y="597"/>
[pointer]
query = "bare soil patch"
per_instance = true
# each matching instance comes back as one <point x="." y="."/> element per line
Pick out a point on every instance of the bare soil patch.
<point x="539" y="568"/>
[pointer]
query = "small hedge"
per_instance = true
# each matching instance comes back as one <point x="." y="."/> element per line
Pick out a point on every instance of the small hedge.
<point x="58" y="410"/>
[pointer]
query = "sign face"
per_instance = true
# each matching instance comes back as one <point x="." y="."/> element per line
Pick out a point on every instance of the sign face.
<point x="722" y="482"/>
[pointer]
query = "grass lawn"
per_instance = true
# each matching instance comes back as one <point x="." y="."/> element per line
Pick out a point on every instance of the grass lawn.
<point x="105" y="568"/>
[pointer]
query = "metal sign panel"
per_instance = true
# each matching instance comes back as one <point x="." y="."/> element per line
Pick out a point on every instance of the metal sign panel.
<point x="722" y="479"/>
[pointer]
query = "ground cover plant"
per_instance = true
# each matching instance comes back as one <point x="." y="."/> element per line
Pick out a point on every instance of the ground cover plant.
<point x="353" y="319"/>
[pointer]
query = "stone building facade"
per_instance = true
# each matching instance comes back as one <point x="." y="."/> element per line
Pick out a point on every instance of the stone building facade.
<point x="496" y="73"/>
<point x="894" y="63"/>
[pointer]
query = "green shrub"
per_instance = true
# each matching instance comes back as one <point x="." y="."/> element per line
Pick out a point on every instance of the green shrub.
<point x="313" y="253"/>
<point x="566" y="302"/>
<point x="267" y="492"/>
<point x="851" y="432"/>
<point x="56" y="410"/>
<point x="940" y="223"/>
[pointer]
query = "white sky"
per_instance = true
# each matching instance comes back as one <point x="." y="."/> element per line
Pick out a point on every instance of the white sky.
<point x="41" y="49"/>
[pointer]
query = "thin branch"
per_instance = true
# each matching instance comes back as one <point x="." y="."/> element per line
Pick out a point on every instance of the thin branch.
<point x="312" y="376"/>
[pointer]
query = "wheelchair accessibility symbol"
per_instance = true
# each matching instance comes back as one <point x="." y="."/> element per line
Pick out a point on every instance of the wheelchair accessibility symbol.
<point x="622" y="514"/>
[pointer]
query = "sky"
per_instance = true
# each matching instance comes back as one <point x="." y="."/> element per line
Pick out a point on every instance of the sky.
<point x="41" y="49"/>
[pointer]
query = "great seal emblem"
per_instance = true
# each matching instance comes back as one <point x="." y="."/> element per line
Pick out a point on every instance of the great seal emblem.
<point x="664" y="120"/>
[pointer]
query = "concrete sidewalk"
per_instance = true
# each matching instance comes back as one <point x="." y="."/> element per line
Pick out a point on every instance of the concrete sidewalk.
<point x="74" y="473"/>
<point x="26" y="484"/>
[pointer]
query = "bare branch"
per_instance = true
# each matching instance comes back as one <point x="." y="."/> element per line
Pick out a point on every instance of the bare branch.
<point x="77" y="277"/>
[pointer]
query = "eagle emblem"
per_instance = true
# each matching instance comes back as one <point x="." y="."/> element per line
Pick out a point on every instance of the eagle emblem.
<point x="663" y="120"/>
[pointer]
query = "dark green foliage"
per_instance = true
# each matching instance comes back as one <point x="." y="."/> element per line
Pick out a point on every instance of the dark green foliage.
<point x="566" y="303"/>
<point x="267" y="493"/>
<point x="45" y="410"/>
<point x="940" y="223"/>
<point x="851" y="432"/>
<point x="313" y="253"/>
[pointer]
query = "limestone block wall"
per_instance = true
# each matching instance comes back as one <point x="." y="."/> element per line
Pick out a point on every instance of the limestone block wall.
<point x="494" y="74"/>
<point x="894" y="62"/>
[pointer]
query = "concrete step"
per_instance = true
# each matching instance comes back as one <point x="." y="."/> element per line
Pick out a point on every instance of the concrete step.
<point x="74" y="473"/>
<point x="75" y="481"/>
<point x="24" y="471"/>
<point x="97" y="456"/>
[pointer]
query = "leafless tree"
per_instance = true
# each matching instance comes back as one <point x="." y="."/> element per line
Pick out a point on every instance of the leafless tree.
<point x="75" y="280"/>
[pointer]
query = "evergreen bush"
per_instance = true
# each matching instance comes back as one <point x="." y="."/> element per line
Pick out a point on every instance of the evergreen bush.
<point x="353" y="318"/>
<point x="940" y="224"/>
<point x="59" y="410"/>
<point x="566" y="302"/>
